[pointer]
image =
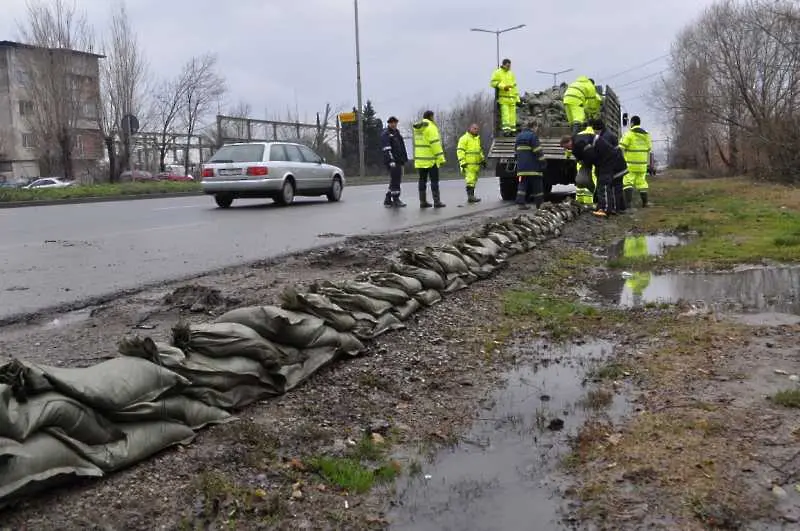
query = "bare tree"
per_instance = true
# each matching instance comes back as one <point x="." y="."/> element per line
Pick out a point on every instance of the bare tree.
<point x="455" y="120"/>
<point x="122" y="80"/>
<point x="202" y="88"/>
<point x="59" y="81"/>
<point x="167" y="104"/>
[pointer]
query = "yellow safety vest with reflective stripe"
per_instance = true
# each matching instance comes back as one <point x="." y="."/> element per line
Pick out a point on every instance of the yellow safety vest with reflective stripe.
<point x="583" y="92"/>
<point x="502" y="79"/>
<point x="427" y="145"/>
<point x="469" y="150"/>
<point x="636" y="146"/>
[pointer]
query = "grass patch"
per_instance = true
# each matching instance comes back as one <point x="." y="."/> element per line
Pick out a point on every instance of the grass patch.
<point x="554" y="314"/>
<point x="608" y="371"/>
<point x="737" y="221"/>
<point x="97" y="190"/>
<point x="597" y="399"/>
<point x="351" y="475"/>
<point x="787" y="398"/>
<point x="222" y="498"/>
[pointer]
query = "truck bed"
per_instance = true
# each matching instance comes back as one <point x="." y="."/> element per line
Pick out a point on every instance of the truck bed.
<point x="503" y="148"/>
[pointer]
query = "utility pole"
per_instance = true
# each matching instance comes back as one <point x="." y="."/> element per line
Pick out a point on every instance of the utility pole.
<point x="554" y="74"/>
<point x="360" y="114"/>
<point x="497" y="36"/>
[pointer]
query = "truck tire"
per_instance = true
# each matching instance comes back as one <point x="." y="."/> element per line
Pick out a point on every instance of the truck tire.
<point x="508" y="188"/>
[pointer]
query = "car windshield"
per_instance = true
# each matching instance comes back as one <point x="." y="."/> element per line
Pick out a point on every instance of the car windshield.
<point x="240" y="153"/>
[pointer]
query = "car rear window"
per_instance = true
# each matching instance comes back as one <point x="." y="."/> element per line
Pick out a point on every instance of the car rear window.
<point x="242" y="153"/>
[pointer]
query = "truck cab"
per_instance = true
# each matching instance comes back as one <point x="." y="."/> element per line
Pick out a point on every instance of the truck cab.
<point x="560" y="169"/>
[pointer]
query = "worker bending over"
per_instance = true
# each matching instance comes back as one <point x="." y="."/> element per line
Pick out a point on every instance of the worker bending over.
<point x="581" y="103"/>
<point x="636" y="145"/>
<point x="507" y="95"/>
<point x="530" y="166"/>
<point x="470" y="160"/>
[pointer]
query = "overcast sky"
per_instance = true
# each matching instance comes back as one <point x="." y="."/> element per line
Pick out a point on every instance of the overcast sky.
<point x="276" y="54"/>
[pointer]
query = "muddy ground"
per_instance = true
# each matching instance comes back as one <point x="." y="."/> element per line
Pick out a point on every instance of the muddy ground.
<point x="528" y="396"/>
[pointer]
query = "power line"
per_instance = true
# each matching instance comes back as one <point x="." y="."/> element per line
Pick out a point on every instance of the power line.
<point x="629" y="83"/>
<point x="632" y="69"/>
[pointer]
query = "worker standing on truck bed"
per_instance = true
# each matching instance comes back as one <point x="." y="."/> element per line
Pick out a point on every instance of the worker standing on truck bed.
<point x="394" y="156"/>
<point x="428" y="158"/>
<point x="593" y="151"/>
<point x="470" y="160"/>
<point x="636" y="145"/>
<point x="581" y="103"/>
<point x="507" y="95"/>
<point x="530" y="166"/>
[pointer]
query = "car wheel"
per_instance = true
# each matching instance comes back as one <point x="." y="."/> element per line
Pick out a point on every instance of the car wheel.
<point x="335" y="193"/>
<point x="223" y="201"/>
<point x="286" y="196"/>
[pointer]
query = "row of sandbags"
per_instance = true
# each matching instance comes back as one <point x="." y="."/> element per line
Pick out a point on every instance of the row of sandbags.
<point x="57" y="423"/>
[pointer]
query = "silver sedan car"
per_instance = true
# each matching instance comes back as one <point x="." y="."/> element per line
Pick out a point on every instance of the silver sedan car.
<point x="275" y="170"/>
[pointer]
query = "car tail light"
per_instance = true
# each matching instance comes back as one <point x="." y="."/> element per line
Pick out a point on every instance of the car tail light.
<point x="257" y="170"/>
<point x="208" y="172"/>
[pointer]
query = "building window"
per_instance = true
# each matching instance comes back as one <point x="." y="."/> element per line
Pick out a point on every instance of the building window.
<point x="79" y="150"/>
<point x="28" y="140"/>
<point x="25" y="108"/>
<point x="89" y="111"/>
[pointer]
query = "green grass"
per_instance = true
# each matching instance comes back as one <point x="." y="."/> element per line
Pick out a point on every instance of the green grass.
<point x="608" y="371"/>
<point x="97" y="190"/>
<point x="351" y="475"/>
<point x="787" y="398"/>
<point x="737" y="221"/>
<point x="552" y="313"/>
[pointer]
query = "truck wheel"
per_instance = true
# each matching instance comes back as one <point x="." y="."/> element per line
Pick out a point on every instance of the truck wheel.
<point x="508" y="188"/>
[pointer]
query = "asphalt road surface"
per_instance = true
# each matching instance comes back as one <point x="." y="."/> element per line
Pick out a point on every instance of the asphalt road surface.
<point x="57" y="255"/>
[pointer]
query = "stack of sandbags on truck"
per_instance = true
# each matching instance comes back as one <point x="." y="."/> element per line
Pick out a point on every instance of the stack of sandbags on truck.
<point x="59" y="422"/>
<point x="546" y="107"/>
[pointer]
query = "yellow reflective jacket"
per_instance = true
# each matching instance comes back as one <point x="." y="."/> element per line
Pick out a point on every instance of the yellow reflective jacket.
<point x="427" y="145"/>
<point x="636" y="247"/>
<point x="583" y="92"/>
<point x="502" y="80"/>
<point x="469" y="150"/>
<point x="636" y="146"/>
<point x="638" y="282"/>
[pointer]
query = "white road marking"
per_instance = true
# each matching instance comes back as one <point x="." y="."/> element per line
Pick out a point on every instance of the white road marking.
<point x="179" y="207"/>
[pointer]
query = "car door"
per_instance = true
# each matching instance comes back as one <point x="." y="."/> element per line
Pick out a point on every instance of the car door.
<point x="303" y="176"/>
<point x="279" y="164"/>
<point x="320" y="174"/>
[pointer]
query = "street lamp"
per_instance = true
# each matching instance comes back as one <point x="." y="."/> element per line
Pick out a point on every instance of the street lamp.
<point x="497" y="35"/>
<point x="554" y="74"/>
<point x="360" y="113"/>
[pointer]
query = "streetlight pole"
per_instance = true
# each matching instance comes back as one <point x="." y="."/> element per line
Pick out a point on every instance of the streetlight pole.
<point x="360" y="114"/>
<point x="554" y="74"/>
<point x="497" y="36"/>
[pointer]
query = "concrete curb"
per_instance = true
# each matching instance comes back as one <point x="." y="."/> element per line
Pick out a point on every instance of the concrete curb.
<point x="108" y="199"/>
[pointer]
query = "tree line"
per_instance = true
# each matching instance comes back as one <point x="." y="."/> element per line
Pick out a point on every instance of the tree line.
<point x="732" y="95"/>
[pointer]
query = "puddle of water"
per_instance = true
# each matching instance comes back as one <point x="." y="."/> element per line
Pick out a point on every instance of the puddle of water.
<point x="761" y="289"/>
<point x="504" y="474"/>
<point x="644" y="245"/>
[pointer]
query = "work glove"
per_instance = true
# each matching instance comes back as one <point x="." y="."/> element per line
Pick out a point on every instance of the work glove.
<point x="483" y="164"/>
<point x="392" y="164"/>
<point x="463" y="168"/>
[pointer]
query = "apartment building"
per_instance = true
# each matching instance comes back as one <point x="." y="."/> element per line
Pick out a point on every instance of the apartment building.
<point x="21" y="148"/>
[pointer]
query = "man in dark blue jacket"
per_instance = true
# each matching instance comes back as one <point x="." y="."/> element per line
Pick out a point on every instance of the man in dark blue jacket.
<point x="617" y="187"/>
<point x="394" y="156"/>
<point x="594" y="151"/>
<point x="530" y="166"/>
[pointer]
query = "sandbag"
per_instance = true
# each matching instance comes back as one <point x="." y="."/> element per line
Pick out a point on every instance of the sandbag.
<point x="142" y="439"/>
<point x="422" y="259"/>
<point x="357" y="303"/>
<point x="44" y="459"/>
<point x="451" y="263"/>
<point x="491" y="247"/>
<point x="183" y="409"/>
<point x="407" y="310"/>
<point x="456" y="285"/>
<point x="393" y="296"/>
<point x="235" y="398"/>
<point x="428" y="297"/>
<point x="113" y="384"/>
<point x="320" y="306"/>
<point x="428" y="278"/>
<point x="350" y="344"/>
<point x="286" y="327"/>
<point x="298" y="373"/>
<point x="53" y="410"/>
<point x="409" y="285"/>
<point x="9" y="448"/>
<point x="385" y="323"/>
<point x="224" y="339"/>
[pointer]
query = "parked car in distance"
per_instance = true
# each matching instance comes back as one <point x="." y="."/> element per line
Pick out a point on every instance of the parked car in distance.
<point x="275" y="170"/>
<point x="136" y="176"/>
<point x="48" y="182"/>
<point x="173" y="176"/>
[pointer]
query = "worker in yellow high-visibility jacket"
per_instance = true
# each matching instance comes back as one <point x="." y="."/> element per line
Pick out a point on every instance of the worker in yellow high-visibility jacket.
<point x="636" y="145"/>
<point x="507" y="94"/>
<point x="471" y="160"/>
<point x="428" y="158"/>
<point x="581" y="103"/>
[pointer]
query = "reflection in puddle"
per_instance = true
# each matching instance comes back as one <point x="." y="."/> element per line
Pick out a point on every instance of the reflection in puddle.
<point x="503" y="475"/>
<point x="644" y="245"/>
<point x="764" y="289"/>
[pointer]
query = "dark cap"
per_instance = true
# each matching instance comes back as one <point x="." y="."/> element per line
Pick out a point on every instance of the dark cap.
<point x="392" y="119"/>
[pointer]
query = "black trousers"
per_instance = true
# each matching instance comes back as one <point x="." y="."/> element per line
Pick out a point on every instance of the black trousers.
<point x="431" y="173"/>
<point x="619" y="194"/>
<point x="605" y="193"/>
<point x="533" y="184"/>
<point x="395" y="178"/>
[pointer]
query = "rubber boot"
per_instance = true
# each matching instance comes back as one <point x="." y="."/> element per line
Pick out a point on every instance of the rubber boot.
<point x="437" y="202"/>
<point x="471" y="195"/>
<point x="538" y="200"/>
<point x="643" y="195"/>
<point x="387" y="201"/>
<point x="397" y="202"/>
<point x="628" y="197"/>
<point x="423" y="199"/>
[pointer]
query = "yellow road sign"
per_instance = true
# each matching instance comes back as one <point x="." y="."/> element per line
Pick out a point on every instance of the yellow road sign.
<point x="347" y="117"/>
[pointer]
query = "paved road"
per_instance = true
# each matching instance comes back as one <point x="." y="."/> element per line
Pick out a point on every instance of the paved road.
<point x="56" y="255"/>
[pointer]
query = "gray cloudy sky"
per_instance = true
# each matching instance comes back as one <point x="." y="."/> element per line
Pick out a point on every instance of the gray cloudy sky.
<point x="415" y="53"/>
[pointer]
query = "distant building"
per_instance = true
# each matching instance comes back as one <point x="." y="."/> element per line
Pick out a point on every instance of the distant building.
<point x="20" y="149"/>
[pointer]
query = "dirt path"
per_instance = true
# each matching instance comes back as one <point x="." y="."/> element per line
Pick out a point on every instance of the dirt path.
<point x="528" y="384"/>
